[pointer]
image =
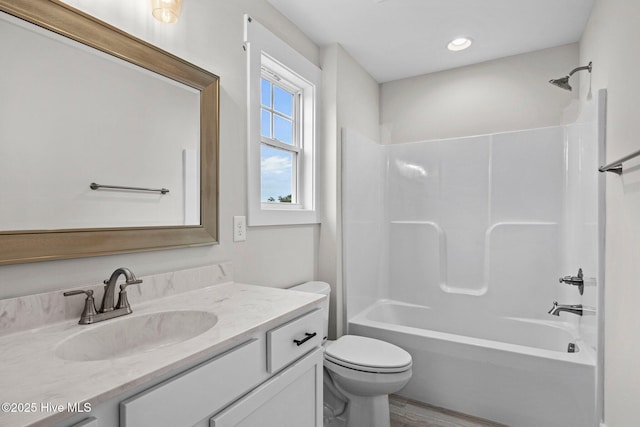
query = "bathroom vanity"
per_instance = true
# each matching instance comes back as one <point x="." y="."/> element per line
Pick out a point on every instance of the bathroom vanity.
<point x="257" y="362"/>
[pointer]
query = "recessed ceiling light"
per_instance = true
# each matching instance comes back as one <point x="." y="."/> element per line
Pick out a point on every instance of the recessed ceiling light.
<point x="459" y="44"/>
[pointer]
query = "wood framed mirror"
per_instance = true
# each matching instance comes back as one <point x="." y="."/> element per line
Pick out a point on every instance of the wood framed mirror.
<point x="49" y="242"/>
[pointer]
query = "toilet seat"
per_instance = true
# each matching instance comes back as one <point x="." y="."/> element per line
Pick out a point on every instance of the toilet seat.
<point x="367" y="355"/>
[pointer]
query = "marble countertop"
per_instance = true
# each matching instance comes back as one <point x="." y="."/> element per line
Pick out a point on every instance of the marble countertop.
<point x="30" y="372"/>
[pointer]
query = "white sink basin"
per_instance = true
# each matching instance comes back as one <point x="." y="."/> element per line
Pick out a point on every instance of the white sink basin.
<point x="129" y="335"/>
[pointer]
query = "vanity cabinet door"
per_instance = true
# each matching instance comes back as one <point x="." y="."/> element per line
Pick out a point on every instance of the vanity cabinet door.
<point x="89" y="422"/>
<point x="199" y="392"/>
<point x="292" y="398"/>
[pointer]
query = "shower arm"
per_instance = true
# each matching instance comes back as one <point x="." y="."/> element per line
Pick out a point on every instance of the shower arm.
<point x="584" y="67"/>
<point x="563" y="82"/>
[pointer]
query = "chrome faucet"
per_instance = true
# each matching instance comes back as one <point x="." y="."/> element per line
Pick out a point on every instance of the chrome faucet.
<point x="557" y="308"/>
<point x="110" y="287"/>
<point x="107" y="310"/>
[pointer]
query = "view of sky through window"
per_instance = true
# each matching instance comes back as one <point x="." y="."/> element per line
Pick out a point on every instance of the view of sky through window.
<point x="276" y="170"/>
<point x="276" y="123"/>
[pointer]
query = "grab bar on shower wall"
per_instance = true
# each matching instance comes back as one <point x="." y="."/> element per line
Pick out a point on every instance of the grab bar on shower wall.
<point x="616" y="167"/>
<point x="95" y="186"/>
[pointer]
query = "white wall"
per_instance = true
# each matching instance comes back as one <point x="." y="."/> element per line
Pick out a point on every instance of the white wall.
<point x="351" y="100"/>
<point x="612" y="23"/>
<point x="210" y="35"/>
<point x="506" y="94"/>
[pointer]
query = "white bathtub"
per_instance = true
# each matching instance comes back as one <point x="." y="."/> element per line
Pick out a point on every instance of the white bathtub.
<point x="510" y="370"/>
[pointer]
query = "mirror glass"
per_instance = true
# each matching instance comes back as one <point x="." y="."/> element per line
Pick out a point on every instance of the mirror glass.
<point x="107" y="143"/>
<point x="71" y="116"/>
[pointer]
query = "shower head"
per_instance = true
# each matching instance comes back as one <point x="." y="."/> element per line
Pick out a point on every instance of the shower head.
<point x="563" y="82"/>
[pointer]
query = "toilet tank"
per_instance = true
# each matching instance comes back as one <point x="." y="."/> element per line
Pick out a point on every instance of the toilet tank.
<point x="318" y="288"/>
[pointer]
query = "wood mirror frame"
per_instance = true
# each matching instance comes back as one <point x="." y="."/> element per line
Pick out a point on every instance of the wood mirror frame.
<point x="43" y="245"/>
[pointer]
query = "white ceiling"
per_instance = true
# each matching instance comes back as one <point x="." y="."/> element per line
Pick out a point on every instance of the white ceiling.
<point x="394" y="39"/>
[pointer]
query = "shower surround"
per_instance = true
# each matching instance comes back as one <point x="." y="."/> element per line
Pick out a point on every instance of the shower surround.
<point x="453" y="250"/>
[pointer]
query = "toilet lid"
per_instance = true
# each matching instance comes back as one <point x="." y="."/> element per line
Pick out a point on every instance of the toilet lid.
<point x="367" y="354"/>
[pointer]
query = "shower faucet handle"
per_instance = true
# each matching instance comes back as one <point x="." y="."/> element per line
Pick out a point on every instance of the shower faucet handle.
<point x="575" y="281"/>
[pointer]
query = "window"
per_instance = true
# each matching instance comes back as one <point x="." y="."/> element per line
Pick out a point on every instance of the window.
<point x="280" y="139"/>
<point x="283" y="91"/>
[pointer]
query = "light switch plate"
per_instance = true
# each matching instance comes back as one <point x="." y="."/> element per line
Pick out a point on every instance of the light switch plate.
<point x="239" y="228"/>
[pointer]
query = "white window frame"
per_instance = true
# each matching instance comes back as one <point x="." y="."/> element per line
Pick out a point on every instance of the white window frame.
<point x="296" y="146"/>
<point x="266" y="51"/>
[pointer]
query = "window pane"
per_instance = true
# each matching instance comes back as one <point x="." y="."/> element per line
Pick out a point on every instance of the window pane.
<point x="276" y="174"/>
<point x="265" y="123"/>
<point x="282" y="129"/>
<point x="282" y="101"/>
<point x="265" y="92"/>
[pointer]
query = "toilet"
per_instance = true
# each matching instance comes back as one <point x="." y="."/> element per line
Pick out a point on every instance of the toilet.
<point x="360" y="373"/>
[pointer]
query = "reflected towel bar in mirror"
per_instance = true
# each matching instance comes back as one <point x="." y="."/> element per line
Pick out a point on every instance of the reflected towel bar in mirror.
<point x="95" y="186"/>
<point x="616" y="167"/>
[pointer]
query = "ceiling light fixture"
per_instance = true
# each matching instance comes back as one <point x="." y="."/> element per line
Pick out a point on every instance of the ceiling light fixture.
<point x="458" y="44"/>
<point x="166" y="11"/>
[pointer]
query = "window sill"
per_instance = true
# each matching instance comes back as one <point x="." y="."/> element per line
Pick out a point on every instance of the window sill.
<point x="280" y="215"/>
<point x="281" y="206"/>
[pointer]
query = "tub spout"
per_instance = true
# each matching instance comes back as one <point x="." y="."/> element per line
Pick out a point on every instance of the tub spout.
<point x="558" y="308"/>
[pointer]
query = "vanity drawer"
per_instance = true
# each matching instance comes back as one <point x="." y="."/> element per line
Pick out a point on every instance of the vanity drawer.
<point x="294" y="339"/>
<point x="192" y="396"/>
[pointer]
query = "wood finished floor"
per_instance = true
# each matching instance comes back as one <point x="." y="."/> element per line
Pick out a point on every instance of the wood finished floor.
<point x="409" y="413"/>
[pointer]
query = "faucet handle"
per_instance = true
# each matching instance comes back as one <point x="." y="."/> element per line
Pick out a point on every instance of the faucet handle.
<point x="123" y="301"/>
<point x="88" y="292"/>
<point x="89" y="312"/>
<point x="124" y="285"/>
<point x="575" y="281"/>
